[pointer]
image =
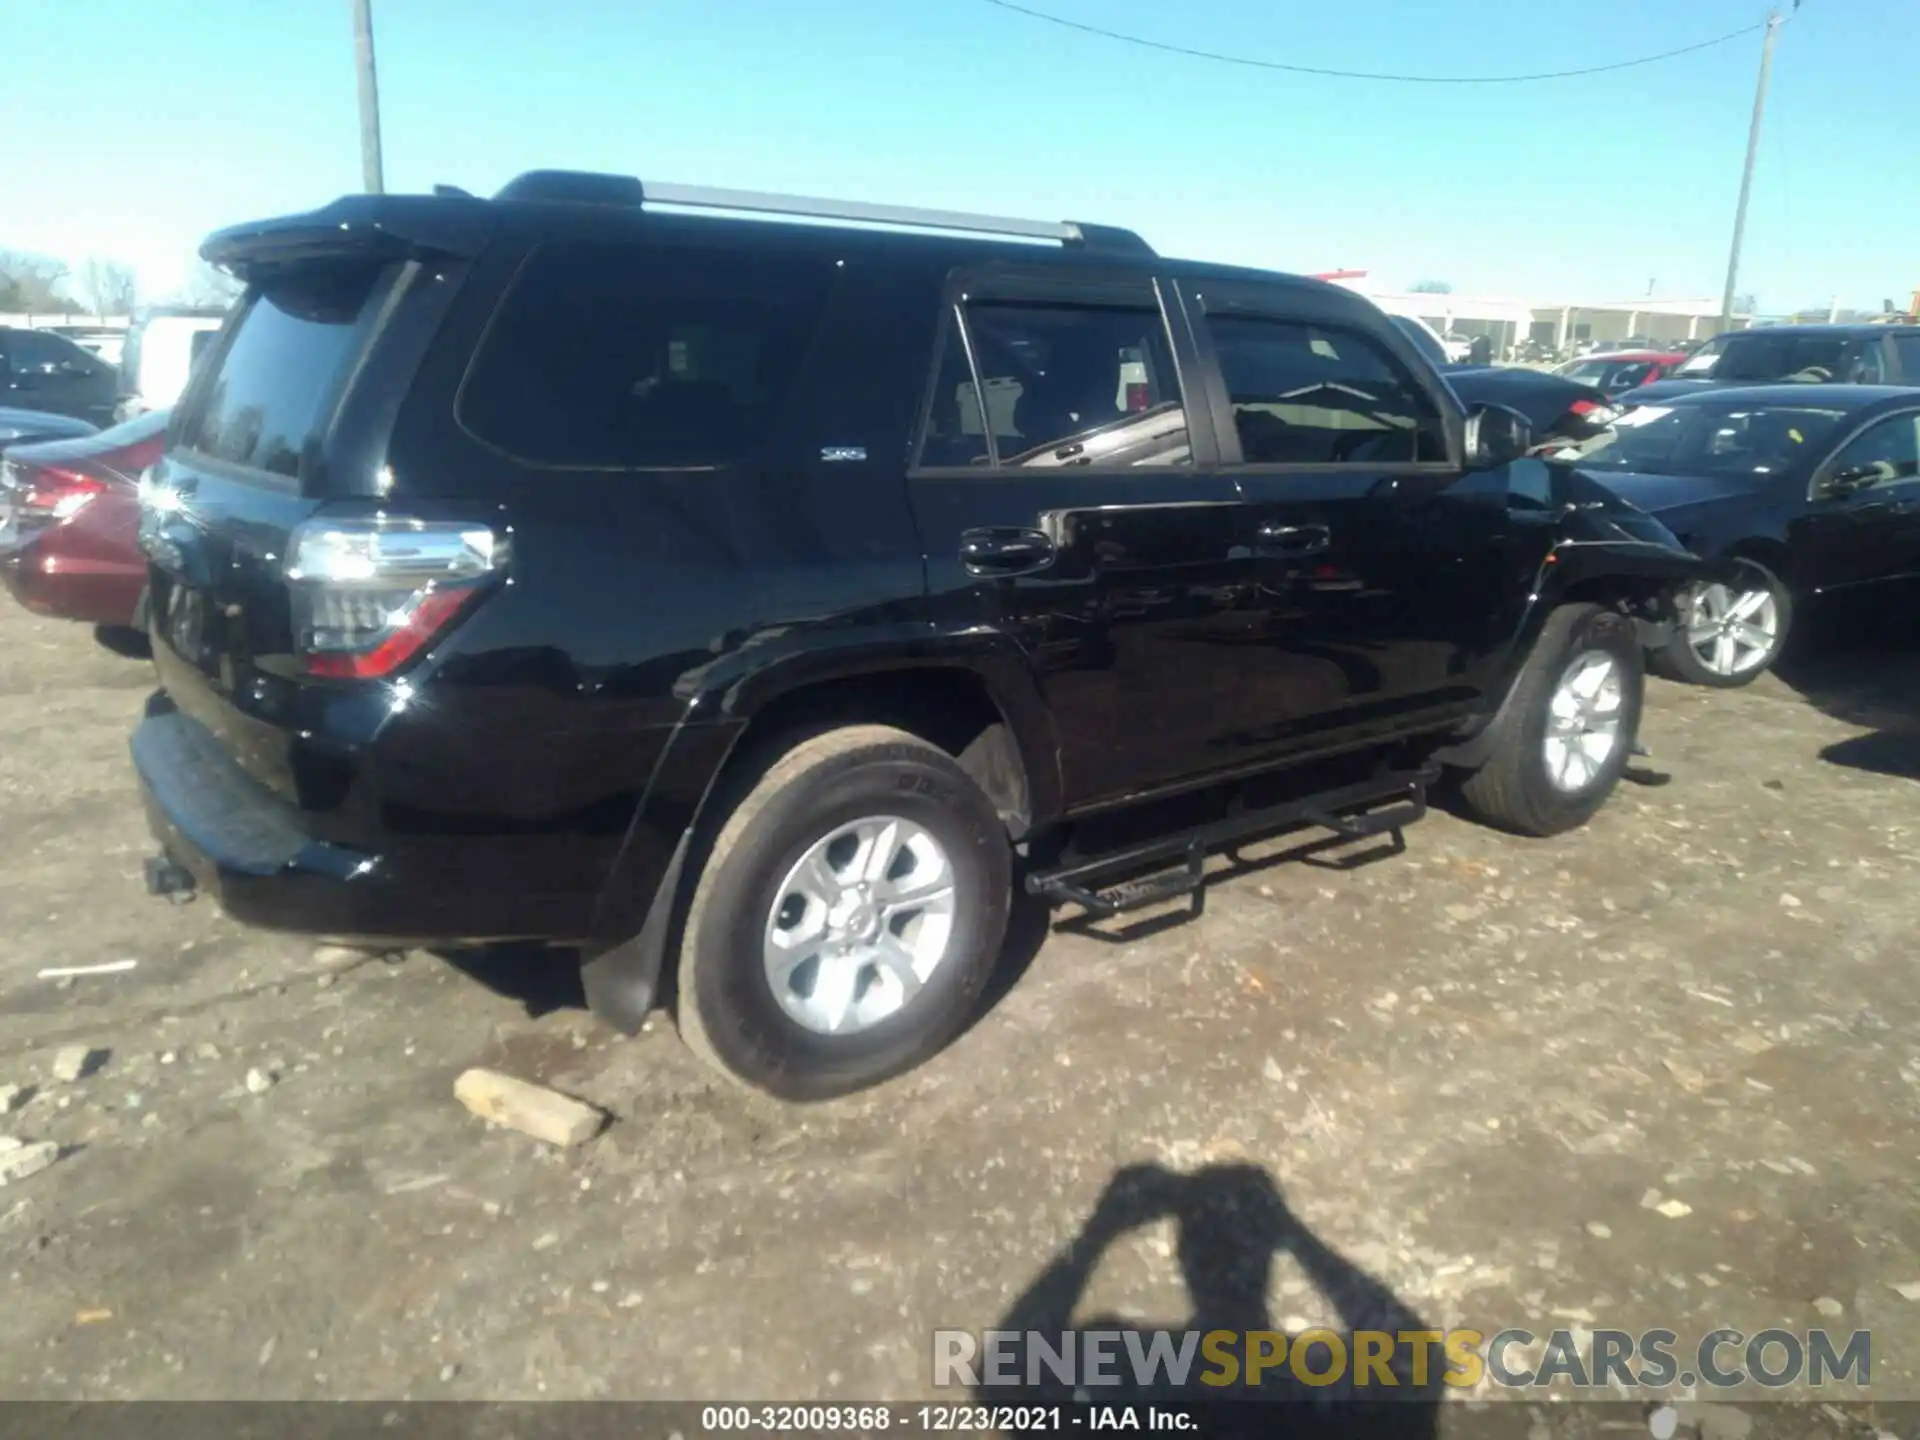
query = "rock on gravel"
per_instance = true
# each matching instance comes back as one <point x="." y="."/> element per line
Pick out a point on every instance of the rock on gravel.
<point x="12" y="1097"/>
<point x="258" y="1082"/>
<point x="531" y="1109"/>
<point x="76" y="1062"/>
<point x="18" y="1159"/>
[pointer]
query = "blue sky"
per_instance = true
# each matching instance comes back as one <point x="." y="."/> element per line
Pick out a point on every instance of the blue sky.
<point x="128" y="128"/>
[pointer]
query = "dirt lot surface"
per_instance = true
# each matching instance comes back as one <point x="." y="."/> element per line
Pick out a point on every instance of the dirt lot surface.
<point x="1664" y="1072"/>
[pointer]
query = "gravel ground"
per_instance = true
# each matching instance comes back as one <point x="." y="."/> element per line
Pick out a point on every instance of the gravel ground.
<point x="1662" y="1072"/>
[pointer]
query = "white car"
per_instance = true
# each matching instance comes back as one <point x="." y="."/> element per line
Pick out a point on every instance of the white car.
<point x="158" y="359"/>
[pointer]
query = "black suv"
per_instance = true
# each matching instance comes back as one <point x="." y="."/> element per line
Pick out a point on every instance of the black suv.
<point x="746" y="602"/>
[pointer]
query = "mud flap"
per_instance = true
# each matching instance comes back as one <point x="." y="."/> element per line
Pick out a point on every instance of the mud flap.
<point x="622" y="981"/>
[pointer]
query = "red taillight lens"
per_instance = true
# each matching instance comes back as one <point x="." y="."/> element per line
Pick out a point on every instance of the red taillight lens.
<point x="370" y="594"/>
<point x="1139" y="397"/>
<point x="51" y="492"/>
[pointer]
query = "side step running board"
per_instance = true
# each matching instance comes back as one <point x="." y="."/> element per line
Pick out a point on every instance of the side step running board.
<point x="1402" y="794"/>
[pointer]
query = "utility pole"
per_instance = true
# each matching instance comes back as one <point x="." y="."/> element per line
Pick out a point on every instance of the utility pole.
<point x="370" y="169"/>
<point x="1746" y="174"/>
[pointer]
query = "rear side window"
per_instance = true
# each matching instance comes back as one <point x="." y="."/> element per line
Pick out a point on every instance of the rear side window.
<point x="616" y="357"/>
<point x="1907" y="348"/>
<point x="1315" y="395"/>
<point x="1057" y="385"/>
<point x="269" y="406"/>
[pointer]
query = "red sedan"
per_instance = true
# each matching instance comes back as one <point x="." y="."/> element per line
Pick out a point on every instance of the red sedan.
<point x="70" y="522"/>
<point x="1616" y="370"/>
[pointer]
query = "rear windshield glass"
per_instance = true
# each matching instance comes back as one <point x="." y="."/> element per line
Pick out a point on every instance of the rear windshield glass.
<point x="269" y="405"/>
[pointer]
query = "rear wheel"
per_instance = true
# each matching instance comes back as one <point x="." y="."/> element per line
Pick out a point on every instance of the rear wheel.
<point x="1565" y="735"/>
<point x="1728" y="634"/>
<point x="847" y="917"/>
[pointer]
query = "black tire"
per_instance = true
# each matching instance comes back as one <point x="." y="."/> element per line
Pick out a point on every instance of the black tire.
<point x="727" y="1010"/>
<point x="1677" y="660"/>
<point x="1513" y="789"/>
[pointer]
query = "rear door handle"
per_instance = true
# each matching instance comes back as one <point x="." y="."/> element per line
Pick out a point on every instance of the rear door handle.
<point x="1278" y="539"/>
<point x="1005" y="551"/>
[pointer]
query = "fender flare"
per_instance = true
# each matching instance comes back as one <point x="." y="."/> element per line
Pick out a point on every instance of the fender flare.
<point x="625" y="958"/>
<point x="1569" y="564"/>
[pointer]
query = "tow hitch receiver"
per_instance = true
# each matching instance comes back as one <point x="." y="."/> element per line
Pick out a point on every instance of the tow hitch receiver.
<point x="166" y="876"/>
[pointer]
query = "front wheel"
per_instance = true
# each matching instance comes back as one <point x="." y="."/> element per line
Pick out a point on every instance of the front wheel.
<point x="1727" y="635"/>
<point x="848" y="915"/>
<point x="1563" y="738"/>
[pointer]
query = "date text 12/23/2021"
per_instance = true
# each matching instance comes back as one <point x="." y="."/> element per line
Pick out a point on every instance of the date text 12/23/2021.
<point x="962" y="1419"/>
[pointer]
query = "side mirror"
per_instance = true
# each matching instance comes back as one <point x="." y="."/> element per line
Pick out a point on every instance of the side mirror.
<point x="1495" y="436"/>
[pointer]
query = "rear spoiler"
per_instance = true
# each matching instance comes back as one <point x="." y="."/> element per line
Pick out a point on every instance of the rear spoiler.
<point x="395" y="227"/>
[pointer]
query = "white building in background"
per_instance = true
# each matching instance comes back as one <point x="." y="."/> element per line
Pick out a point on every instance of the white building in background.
<point x="1510" y="322"/>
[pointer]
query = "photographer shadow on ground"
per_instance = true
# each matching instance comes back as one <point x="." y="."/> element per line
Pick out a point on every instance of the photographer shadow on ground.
<point x="1232" y="1224"/>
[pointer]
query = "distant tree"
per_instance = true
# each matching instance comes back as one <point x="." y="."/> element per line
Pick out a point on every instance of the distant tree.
<point x="1432" y="287"/>
<point x="208" y="288"/>
<point x="31" y="282"/>
<point x="109" y="287"/>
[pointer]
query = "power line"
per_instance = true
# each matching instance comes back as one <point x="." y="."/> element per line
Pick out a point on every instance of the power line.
<point x="1256" y="64"/>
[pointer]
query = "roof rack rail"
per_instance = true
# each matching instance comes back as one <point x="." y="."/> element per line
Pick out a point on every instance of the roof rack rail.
<point x="626" y="190"/>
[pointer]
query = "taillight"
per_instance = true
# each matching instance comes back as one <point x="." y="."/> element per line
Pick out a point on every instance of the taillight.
<point x="48" y="492"/>
<point x="1139" y="397"/>
<point x="369" y="594"/>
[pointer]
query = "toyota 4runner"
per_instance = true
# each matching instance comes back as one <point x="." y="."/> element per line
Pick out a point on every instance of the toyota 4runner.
<point x="749" y="593"/>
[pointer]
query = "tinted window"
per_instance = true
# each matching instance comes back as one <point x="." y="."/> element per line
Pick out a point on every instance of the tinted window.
<point x="1758" y="356"/>
<point x="956" y="432"/>
<point x="1309" y="395"/>
<point x="1891" y="447"/>
<point x="1610" y="374"/>
<point x="1059" y="385"/>
<point x="1907" y="348"/>
<point x="270" y="404"/>
<point x="617" y="357"/>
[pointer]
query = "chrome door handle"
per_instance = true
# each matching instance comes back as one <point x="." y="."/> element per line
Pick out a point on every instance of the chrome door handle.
<point x="1005" y="551"/>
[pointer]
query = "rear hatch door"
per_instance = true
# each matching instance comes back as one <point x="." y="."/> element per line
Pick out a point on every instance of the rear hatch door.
<point x="289" y="414"/>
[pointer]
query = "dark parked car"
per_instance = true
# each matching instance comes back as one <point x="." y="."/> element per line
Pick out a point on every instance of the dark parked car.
<point x="30" y="427"/>
<point x="70" y="522"/>
<point x="47" y="372"/>
<point x="1558" y="410"/>
<point x="754" y="604"/>
<point x="1809" y="354"/>
<point x="1815" y="489"/>
<point x="1618" y="371"/>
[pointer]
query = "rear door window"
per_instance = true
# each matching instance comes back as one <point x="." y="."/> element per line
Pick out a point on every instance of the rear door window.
<point x="269" y="405"/>
<point x="1065" y="384"/>
<point x="622" y="357"/>
<point x="1907" y="349"/>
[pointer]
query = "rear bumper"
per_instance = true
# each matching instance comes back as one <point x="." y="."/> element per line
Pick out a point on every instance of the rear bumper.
<point x="249" y="850"/>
